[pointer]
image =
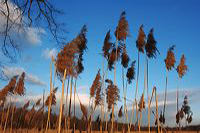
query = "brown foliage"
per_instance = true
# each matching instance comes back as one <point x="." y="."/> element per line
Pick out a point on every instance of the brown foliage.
<point x="182" y="68"/>
<point x="170" y="59"/>
<point x="122" y="29"/>
<point x="140" y="43"/>
<point x="20" y="89"/>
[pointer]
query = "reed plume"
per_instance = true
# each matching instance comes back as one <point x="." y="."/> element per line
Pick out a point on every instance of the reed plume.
<point x="69" y="56"/>
<point x="107" y="45"/>
<point x="124" y="57"/>
<point x="113" y="56"/>
<point x="98" y="98"/>
<point x="112" y="95"/>
<point x="26" y="105"/>
<point x="182" y="68"/>
<point x="83" y="109"/>
<point x="141" y="104"/>
<point x="140" y="43"/>
<point x="8" y="89"/>
<point x="95" y="85"/>
<point x="170" y="59"/>
<point x="38" y="102"/>
<point x="53" y="95"/>
<point x="131" y="72"/>
<point x="122" y="30"/>
<point x="120" y="113"/>
<point x="20" y="89"/>
<point x="150" y="46"/>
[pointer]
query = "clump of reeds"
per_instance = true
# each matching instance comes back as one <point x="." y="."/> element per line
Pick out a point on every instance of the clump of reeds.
<point x="140" y="43"/>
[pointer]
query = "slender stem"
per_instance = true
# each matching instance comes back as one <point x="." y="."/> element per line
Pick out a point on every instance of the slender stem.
<point x="7" y="116"/>
<point x="158" y="123"/>
<point x="179" y="125"/>
<point x="147" y="85"/>
<point x="43" y="110"/>
<point x="165" y="92"/>
<point x="74" y="105"/>
<point x="102" y="106"/>
<point x="66" y="102"/>
<point x="69" y="112"/>
<point x="51" y="89"/>
<point x="61" y="102"/>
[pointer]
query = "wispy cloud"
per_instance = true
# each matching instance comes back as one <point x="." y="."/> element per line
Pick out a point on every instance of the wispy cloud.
<point x="48" y="53"/>
<point x="9" y="72"/>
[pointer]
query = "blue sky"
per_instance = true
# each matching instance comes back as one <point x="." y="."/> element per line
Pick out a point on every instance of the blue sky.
<point x="174" y="23"/>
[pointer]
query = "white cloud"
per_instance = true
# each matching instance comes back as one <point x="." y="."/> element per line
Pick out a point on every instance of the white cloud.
<point x="19" y="32"/>
<point x="30" y="78"/>
<point x="48" y="53"/>
<point x="33" y="35"/>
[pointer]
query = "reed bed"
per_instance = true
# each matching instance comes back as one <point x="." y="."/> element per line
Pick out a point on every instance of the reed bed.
<point x="104" y="91"/>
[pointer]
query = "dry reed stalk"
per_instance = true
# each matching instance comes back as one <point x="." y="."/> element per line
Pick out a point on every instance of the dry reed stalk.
<point x="151" y="52"/>
<point x="74" y="105"/>
<point x="121" y="33"/>
<point x="169" y="63"/>
<point x="50" y="98"/>
<point x="67" y="88"/>
<point x="141" y="107"/>
<point x="120" y="114"/>
<point x="7" y="116"/>
<point x="19" y="90"/>
<point x="158" y="122"/>
<point x="69" y="112"/>
<point x="181" y="69"/>
<point x="61" y="102"/>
